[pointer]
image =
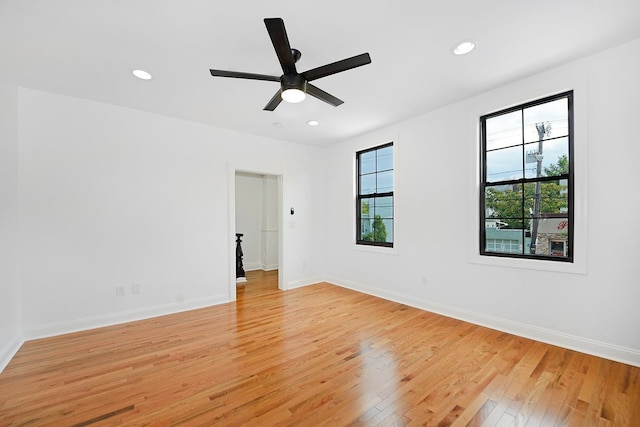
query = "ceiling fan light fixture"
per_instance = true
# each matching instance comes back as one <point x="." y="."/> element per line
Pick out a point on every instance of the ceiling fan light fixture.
<point x="293" y="88"/>
<point x="293" y="95"/>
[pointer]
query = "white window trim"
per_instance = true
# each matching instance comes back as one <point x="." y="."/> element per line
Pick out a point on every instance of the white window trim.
<point x="580" y="160"/>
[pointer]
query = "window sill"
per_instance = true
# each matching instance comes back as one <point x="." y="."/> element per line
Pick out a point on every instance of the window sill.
<point x="531" y="264"/>
<point x="377" y="249"/>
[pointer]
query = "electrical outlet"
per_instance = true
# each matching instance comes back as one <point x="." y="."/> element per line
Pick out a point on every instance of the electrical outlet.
<point x="119" y="291"/>
<point x="423" y="281"/>
<point x="135" y="289"/>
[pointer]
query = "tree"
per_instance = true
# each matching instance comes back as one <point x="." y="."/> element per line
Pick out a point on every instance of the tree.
<point x="506" y="204"/>
<point x="365" y="208"/>
<point x="560" y="168"/>
<point x="378" y="233"/>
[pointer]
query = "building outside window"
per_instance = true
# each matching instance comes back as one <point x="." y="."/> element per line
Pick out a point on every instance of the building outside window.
<point x="374" y="197"/>
<point x="526" y="194"/>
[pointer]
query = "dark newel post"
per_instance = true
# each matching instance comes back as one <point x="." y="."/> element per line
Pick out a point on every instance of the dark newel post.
<point x="239" y="266"/>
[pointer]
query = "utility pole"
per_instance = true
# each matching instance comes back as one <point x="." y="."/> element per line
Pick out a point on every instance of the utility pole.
<point x="543" y="129"/>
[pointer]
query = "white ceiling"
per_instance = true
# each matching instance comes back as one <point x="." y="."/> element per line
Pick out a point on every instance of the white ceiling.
<point x="88" y="48"/>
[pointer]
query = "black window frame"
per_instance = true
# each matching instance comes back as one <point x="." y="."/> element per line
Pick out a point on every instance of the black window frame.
<point x="360" y="197"/>
<point x="484" y="183"/>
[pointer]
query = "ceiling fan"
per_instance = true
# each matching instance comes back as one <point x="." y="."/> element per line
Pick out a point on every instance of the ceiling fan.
<point x="294" y="85"/>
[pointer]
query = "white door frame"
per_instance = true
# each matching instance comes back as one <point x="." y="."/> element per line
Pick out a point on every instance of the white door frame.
<point x="232" y="170"/>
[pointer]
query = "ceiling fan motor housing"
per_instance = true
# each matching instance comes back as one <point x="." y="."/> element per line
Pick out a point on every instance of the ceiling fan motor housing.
<point x="293" y="81"/>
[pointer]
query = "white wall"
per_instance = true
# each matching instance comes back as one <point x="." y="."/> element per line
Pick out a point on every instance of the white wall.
<point x="249" y="201"/>
<point x="270" y="223"/>
<point x="116" y="197"/>
<point x="592" y="306"/>
<point x="10" y="305"/>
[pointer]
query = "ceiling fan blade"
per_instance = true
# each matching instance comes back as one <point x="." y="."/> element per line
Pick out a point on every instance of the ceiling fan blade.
<point x="273" y="102"/>
<point x="240" y="75"/>
<point x="278" y="34"/>
<point x="316" y="92"/>
<point x="337" y="67"/>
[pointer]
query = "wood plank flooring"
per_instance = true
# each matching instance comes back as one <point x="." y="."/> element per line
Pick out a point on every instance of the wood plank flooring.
<point x="315" y="356"/>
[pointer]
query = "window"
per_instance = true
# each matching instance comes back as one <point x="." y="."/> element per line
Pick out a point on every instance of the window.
<point x="374" y="204"/>
<point x="526" y="194"/>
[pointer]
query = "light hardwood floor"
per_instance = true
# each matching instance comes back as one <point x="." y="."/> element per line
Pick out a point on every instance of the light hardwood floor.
<point x="315" y="356"/>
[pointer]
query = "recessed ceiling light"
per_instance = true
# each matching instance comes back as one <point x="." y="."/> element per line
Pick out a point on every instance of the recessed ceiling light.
<point x="464" y="47"/>
<point x="313" y="123"/>
<point x="141" y="74"/>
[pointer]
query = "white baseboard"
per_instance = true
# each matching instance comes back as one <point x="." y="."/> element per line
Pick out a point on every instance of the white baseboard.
<point x="304" y="282"/>
<point x="261" y="267"/>
<point x="251" y="266"/>
<point x="8" y="351"/>
<point x="60" y="328"/>
<point x="605" y="350"/>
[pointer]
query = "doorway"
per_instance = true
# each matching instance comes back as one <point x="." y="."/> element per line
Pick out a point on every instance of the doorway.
<point x="256" y="212"/>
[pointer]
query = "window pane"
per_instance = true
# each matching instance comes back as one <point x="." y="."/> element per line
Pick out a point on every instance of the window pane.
<point x="388" y="228"/>
<point x="553" y="161"/>
<point x="385" y="158"/>
<point x="554" y="197"/>
<point x="504" y="164"/>
<point x="384" y="207"/>
<point x="367" y="162"/>
<point x="549" y="119"/>
<point x="552" y="236"/>
<point x="505" y="202"/>
<point x="368" y="184"/>
<point x="385" y="181"/>
<point x="556" y="157"/>
<point x="376" y="230"/>
<point x="504" y="130"/>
